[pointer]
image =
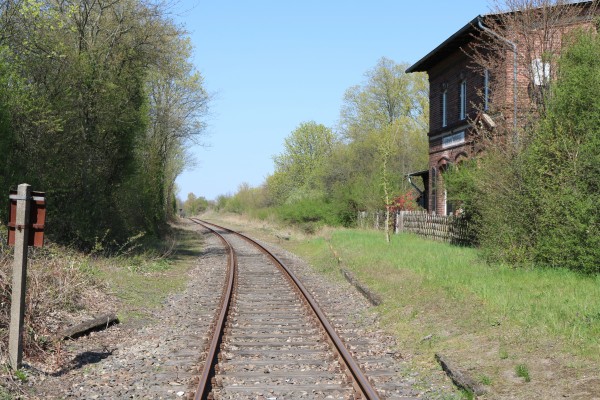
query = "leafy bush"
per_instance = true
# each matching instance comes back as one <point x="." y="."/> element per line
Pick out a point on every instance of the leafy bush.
<point x="564" y="164"/>
<point x="538" y="203"/>
<point x="309" y="212"/>
<point x="246" y="199"/>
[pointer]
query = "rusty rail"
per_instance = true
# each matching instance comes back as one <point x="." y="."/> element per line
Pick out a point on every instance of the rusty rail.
<point x="204" y="385"/>
<point x="361" y="382"/>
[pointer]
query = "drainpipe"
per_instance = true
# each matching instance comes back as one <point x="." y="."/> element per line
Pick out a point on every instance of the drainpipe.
<point x="514" y="47"/>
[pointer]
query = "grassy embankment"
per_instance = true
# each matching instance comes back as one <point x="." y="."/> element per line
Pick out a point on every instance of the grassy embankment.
<point x="518" y="331"/>
<point x="142" y="281"/>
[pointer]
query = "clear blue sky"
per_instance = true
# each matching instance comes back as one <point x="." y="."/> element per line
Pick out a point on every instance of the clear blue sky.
<point x="273" y="64"/>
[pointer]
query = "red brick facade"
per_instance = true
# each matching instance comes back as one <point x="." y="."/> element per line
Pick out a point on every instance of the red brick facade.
<point x="456" y="94"/>
<point x="450" y="141"/>
<point x="452" y="71"/>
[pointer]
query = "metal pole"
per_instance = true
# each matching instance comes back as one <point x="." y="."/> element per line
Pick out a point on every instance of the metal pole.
<point x="17" y="308"/>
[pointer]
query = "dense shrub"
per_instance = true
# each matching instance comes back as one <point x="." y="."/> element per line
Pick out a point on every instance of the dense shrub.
<point x="563" y="163"/>
<point x="305" y="211"/>
<point x="540" y="205"/>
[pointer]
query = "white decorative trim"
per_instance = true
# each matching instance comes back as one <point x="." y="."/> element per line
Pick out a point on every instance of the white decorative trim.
<point x="446" y="133"/>
<point x="453" y="140"/>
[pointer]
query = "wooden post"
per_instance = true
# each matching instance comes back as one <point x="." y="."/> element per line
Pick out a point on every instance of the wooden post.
<point x="401" y="223"/>
<point x="17" y="308"/>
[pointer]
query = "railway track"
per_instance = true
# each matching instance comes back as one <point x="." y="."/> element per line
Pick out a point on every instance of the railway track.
<point x="271" y="340"/>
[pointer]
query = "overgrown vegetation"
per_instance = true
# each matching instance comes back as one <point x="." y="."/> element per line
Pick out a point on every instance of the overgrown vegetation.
<point x="58" y="285"/>
<point x="539" y="205"/>
<point x="64" y="283"/>
<point x="98" y="102"/>
<point x="489" y="318"/>
<point x="554" y="301"/>
<point x="193" y="205"/>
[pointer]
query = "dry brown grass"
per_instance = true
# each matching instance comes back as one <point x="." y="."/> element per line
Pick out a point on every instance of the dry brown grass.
<point x="56" y="284"/>
<point x="66" y="287"/>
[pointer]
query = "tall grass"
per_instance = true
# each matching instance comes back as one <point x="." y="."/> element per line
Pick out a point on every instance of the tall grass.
<point x="410" y="271"/>
<point x="55" y="283"/>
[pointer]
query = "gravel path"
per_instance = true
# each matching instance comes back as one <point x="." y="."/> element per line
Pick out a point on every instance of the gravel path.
<point x="155" y="361"/>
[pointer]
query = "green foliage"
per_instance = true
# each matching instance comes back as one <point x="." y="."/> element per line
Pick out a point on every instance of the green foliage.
<point x="384" y="122"/>
<point x="97" y="104"/>
<point x="320" y="178"/>
<point x="21" y="375"/>
<point x="539" y="204"/>
<point x="194" y="205"/>
<point x="221" y="202"/>
<point x="299" y="169"/>
<point x="5" y="394"/>
<point x="461" y="181"/>
<point x="388" y="95"/>
<point x="485" y="380"/>
<point x="467" y="394"/>
<point x="246" y="199"/>
<point x="522" y="371"/>
<point x="310" y="213"/>
<point x="7" y="137"/>
<point x="564" y="158"/>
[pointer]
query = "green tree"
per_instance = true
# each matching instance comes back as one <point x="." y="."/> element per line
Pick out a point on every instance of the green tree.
<point x="322" y="177"/>
<point x="85" y="77"/>
<point x="540" y="205"/>
<point x="384" y="122"/>
<point x="177" y="104"/>
<point x="388" y="95"/>
<point x="194" y="205"/>
<point x="564" y="159"/>
<point x="299" y="169"/>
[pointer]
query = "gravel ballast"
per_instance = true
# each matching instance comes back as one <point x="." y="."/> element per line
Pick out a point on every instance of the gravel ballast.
<point x="158" y="359"/>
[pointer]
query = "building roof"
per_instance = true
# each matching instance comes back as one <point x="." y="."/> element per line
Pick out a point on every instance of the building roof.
<point x="454" y="42"/>
<point x="463" y="36"/>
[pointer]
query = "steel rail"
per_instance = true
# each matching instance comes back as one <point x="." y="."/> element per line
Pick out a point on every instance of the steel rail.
<point x="204" y="385"/>
<point x="361" y="381"/>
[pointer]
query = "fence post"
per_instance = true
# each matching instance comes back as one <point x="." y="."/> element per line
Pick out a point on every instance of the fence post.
<point x="400" y="221"/>
<point x="17" y="307"/>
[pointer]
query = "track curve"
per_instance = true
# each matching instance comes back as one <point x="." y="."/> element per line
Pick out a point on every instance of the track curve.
<point x="274" y="326"/>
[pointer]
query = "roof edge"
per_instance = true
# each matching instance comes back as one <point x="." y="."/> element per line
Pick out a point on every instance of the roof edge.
<point x="417" y="67"/>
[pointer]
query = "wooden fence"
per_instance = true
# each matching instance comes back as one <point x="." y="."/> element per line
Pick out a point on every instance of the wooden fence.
<point x="445" y="228"/>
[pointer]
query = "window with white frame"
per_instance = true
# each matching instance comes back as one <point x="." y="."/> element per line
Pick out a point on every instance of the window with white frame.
<point x="462" y="100"/>
<point x="541" y="72"/>
<point x="444" y="108"/>
<point x="453" y="139"/>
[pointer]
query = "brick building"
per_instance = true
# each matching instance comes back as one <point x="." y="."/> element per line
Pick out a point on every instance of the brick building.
<point x="460" y="94"/>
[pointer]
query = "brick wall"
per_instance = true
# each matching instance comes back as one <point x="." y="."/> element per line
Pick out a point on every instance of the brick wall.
<point x="452" y="143"/>
<point x="456" y="141"/>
